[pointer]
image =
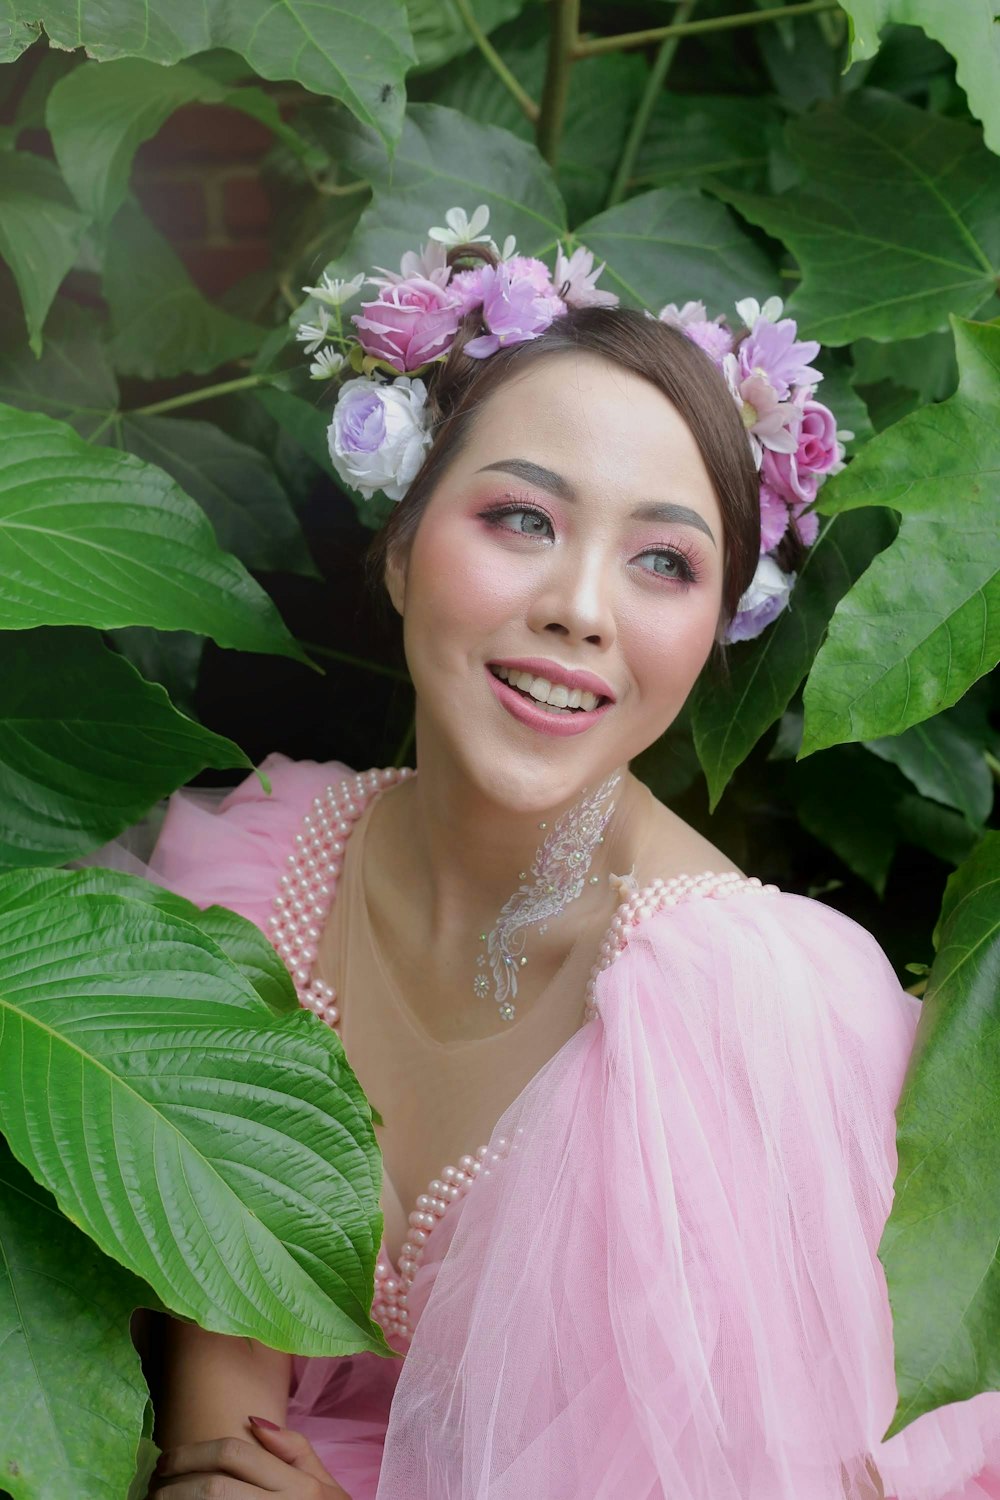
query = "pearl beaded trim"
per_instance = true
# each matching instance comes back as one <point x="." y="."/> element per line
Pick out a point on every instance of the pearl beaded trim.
<point x="305" y="896"/>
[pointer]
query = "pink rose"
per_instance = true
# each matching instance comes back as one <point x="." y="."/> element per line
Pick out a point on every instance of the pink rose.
<point x="409" y="323"/>
<point x="817" y="450"/>
<point x="781" y="472"/>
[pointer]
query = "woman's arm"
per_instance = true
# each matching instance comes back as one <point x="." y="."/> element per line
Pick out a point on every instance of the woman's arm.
<point x="212" y="1382"/>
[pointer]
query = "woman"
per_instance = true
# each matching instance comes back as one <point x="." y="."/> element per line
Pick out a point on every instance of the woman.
<point x="664" y="1283"/>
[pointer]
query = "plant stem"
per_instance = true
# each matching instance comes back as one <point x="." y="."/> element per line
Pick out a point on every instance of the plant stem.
<point x="355" y="661"/>
<point x="640" y="121"/>
<point x="207" y="393"/>
<point x="993" y="764"/>
<point x="496" y="62"/>
<point x="564" y="38"/>
<point x="597" y="46"/>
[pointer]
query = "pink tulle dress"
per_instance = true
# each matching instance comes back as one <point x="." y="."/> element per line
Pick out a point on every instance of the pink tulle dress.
<point x="656" y="1276"/>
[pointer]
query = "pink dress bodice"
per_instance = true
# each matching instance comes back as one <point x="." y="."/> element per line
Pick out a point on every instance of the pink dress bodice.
<point x="658" y="1278"/>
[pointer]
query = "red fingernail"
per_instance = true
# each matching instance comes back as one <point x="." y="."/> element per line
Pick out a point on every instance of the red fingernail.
<point x="263" y="1422"/>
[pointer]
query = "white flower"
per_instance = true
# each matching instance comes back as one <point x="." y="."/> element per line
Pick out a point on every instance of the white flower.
<point x="335" y="293"/>
<point x="378" y="437"/>
<point x="680" y="317"/>
<point x="509" y="246"/>
<point x="326" y="365"/>
<point x="461" y="229"/>
<point x="750" y="310"/>
<point x="762" y="602"/>
<point x="314" y="334"/>
<point x="432" y="263"/>
<point x="575" y="278"/>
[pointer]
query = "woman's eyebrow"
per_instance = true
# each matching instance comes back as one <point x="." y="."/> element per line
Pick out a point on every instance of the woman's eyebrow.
<point x="548" y="479"/>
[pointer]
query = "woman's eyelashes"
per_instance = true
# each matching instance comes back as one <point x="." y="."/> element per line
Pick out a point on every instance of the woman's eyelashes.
<point x="678" y="563"/>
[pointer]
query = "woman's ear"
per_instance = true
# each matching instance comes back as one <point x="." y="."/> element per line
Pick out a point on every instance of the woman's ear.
<point x="395" y="579"/>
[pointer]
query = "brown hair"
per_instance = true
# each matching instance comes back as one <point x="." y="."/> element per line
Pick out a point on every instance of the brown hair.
<point x="657" y="352"/>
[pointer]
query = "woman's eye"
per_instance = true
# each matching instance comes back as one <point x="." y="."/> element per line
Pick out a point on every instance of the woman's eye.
<point x="670" y="565"/>
<point x="526" y="522"/>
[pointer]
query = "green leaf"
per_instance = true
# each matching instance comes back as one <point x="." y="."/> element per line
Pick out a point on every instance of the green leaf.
<point x="170" y="657"/>
<point x="674" y="245"/>
<point x="89" y="537"/>
<point x="161" y="323"/>
<point x="925" y="365"/>
<point x="432" y="172"/>
<point x="356" y="51"/>
<point x="945" y="1210"/>
<point x="233" y="483"/>
<point x="729" y="716"/>
<point x="72" y="1396"/>
<point x="40" y="233"/>
<point x="99" y="116"/>
<point x="439" y="30"/>
<point x="942" y="763"/>
<point x="692" y="137"/>
<point x="941" y="831"/>
<point x="225" y="1156"/>
<point x="239" y="939"/>
<point x="86" y="746"/>
<point x="72" y="380"/>
<point x="968" y="30"/>
<point x="899" y="224"/>
<point x="847" y="800"/>
<point x="923" y="623"/>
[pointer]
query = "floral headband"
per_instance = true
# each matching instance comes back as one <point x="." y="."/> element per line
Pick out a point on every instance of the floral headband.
<point x="380" y="434"/>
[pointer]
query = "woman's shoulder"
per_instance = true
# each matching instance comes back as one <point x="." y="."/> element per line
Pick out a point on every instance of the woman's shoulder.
<point x="230" y="849"/>
<point x="671" y="847"/>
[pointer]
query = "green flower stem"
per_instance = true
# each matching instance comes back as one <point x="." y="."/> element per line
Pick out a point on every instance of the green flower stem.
<point x="597" y="46"/>
<point x="496" y="62"/>
<point x="993" y="764"/>
<point x="564" y="38"/>
<point x="640" y="121"/>
<point x="207" y="393"/>
<point x="355" y="661"/>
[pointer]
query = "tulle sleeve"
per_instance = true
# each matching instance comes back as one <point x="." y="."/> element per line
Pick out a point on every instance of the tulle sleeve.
<point x="232" y="851"/>
<point x="669" y="1289"/>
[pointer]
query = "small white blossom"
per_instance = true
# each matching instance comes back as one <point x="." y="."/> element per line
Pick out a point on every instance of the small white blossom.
<point x="314" y="334"/>
<point x="326" y="365"/>
<point x="750" y="310"/>
<point x="335" y="293"/>
<point x="509" y="246"/>
<point x="575" y="279"/>
<point x="431" y="263"/>
<point x="461" y="229"/>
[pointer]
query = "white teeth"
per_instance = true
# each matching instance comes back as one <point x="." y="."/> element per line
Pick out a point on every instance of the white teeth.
<point x="556" y="695"/>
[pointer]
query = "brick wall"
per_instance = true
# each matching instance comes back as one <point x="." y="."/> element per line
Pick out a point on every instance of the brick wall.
<point x="199" y="182"/>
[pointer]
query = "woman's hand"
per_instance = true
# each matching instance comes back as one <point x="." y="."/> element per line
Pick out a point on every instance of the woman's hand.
<point x="274" y="1461"/>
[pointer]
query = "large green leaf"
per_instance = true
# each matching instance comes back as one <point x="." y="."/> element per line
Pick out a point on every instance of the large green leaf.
<point x="72" y="1396"/>
<point x="944" y="763"/>
<point x="945" y="1210"/>
<point x="923" y="623"/>
<point x="239" y="939"/>
<point x="674" y="245"/>
<point x="969" y="31"/>
<point x="444" y="160"/>
<point x="233" y="483"/>
<point x="898" y="226"/>
<point x="161" y="323"/>
<point x="729" y="715"/>
<point x="71" y="380"/>
<point x="223" y="1155"/>
<point x="848" y="800"/>
<point x="356" y="50"/>
<point x="86" y="746"/>
<point x="439" y="29"/>
<point x="692" y="137"/>
<point x="91" y="537"/>
<point x="99" y="116"/>
<point x="40" y="233"/>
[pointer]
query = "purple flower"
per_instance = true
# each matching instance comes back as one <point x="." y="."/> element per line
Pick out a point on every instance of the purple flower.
<point x="770" y="422"/>
<point x="513" y="311"/>
<point x="467" y="286"/>
<point x="409" y="323"/>
<point x="716" y="340"/>
<point x="378" y="437"/>
<point x="806" y="523"/>
<point x="360" y="417"/>
<point x="772" y="348"/>
<point x="763" y="601"/>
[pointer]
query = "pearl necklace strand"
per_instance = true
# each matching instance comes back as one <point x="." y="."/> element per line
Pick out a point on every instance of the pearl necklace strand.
<point x="305" y="897"/>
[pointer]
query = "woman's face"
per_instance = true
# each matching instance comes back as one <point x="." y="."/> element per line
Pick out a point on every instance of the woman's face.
<point x="577" y="532"/>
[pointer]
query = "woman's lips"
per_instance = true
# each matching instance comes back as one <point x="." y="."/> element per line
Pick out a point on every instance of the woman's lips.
<point x="519" y="706"/>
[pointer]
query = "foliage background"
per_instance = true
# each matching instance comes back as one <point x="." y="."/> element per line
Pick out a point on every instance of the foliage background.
<point x="181" y="583"/>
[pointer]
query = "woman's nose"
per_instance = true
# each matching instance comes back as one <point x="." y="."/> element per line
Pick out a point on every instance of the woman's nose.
<point x="576" y="601"/>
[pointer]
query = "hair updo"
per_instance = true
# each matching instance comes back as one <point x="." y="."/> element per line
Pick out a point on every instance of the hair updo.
<point x="662" y="355"/>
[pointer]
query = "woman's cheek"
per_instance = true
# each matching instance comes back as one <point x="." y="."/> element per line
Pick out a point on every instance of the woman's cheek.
<point x="480" y="581"/>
